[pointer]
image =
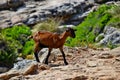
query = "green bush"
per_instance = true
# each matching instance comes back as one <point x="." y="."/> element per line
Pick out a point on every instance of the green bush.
<point x="8" y="53"/>
<point x="28" y="48"/>
<point x="93" y="25"/>
<point x="12" y="42"/>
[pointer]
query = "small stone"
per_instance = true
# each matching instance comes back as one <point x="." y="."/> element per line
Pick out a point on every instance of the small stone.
<point x="117" y="59"/>
<point x="106" y="78"/>
<point x="91" y="63"/>
<point x="105" y="55"/>
<point x="3" y="69"/>
<point x="30" y="70"/>
<point x="115" y="52"/>
<point x="80" y="78"/>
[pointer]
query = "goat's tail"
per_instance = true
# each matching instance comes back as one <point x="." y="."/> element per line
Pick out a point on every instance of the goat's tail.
<point x="29" y="37"/>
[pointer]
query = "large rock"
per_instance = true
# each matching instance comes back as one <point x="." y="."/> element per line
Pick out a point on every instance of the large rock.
<point x="27" y="70"/>
<point x="3" y="69"/>
<point x="111" y="36"/>
<point x="31" y="14"/>
<point x="115" y="52"/>
<point x="10" y="4"/>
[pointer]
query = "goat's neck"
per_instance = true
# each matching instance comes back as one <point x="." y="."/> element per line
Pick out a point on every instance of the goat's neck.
<point x="63" y="37"/>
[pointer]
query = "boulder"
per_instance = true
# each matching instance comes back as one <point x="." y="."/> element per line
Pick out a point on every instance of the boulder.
<point x="111" y="36"/>
<point x="10" y="4"/>
<point x="115" y="52"/>
<point x="8" y="75"/>
<point x="34" y="11"/>
<point x="27" y="70"/>
<point x="16" y="19"/>
<point x="3" y="69"/>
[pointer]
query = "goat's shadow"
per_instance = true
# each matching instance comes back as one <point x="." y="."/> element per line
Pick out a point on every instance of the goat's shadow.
<point x="55" y="65"/>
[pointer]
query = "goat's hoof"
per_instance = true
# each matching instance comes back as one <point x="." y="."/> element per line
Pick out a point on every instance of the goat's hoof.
<point x="37" y="61"/>
<point x="46" y="63"/>
<point x="66" y="63"/>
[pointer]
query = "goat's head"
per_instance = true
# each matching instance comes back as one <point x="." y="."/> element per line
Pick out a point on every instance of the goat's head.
<point x="71" y="32"/>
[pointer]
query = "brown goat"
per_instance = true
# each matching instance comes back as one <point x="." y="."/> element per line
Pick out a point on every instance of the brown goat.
<point x="51" y="40"/>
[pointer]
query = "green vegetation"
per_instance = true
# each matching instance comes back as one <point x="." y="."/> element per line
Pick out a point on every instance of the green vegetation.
<point x="12" y="42"/>
<point x="8" y="53"/>
<point x="89" y="29"/>
<point x="115" y="20"/>
<point x="28" y="48"/>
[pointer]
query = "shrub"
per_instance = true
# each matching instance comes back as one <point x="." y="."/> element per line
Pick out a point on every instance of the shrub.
<point x="115" y="20"/>
<point x="12" y="42"/>
<point x="28" y="48"/>
<point x="48" y="25"/>
<point x="8" y="53"/>
<point x="93" y="25"/>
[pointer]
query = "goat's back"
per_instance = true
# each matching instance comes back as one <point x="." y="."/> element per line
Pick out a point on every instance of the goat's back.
<point x="46" y="38"/>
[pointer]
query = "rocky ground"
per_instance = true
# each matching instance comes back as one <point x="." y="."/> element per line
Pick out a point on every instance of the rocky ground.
<point x="84" y="64"/>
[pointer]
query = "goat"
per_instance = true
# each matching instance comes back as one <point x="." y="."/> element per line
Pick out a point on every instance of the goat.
<point x="44" y="39"/>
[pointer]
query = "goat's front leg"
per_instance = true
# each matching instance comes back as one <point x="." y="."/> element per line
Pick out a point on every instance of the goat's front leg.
<point x="46" y="61"/>
<point x="63" y="54"/>
<point x="36" y="51"/>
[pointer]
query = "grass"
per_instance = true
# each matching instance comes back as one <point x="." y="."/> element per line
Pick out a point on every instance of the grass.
<point x="48" y="25"/>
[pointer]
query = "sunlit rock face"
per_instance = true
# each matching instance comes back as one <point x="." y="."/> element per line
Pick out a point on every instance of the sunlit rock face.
<point x="72" y="12"/>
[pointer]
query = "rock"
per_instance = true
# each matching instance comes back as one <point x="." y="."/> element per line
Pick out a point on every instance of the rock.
<point x="42" y="67"/>
<point x="10" y="4"/>
<point x="99" y="37"/>
<point x="16" y="19"/>
<point x="115" y="52"/>
<point x="34" y="69"/>
<point x="82" y="66"/>
<point x="3" y="69"/>
<point x="111" y="36"/>
<point x="20" y="59"/>
<point x="117" y="59"/>
<point x="8" y="75"/>
<point x="83" y="77"/>
<point x="31" y="21"/>
<point x="30" y="70"/>
<point x="23" y="64"/>
<point x="3" y="4"/>
<point x="100" y="1"/>
<point x="34" y="12"/>
<point x="107" y="78"/>
<point x="91" y="63"/>
<point x="109" y="30"/>
<point x="105" y="55"/>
